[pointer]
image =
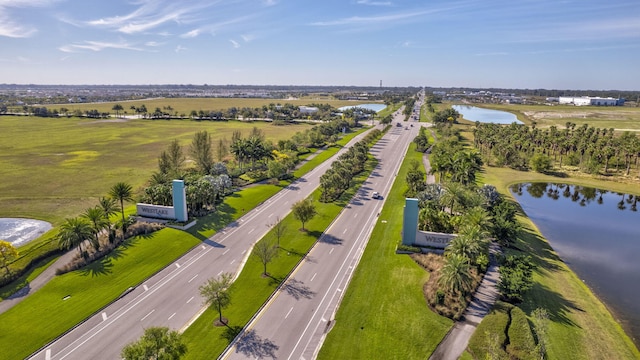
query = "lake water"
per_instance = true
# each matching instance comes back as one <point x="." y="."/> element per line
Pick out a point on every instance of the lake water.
<point x="597" y="234"/>
<point x="20" y="231"/>
<point x="374" y="107"/>
<point x="473" y="113"/>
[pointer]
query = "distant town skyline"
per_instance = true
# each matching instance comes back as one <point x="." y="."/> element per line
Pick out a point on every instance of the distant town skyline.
<point x="582" y="45"/>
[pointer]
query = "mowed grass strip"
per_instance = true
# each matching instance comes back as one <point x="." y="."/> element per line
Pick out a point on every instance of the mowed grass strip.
<point x="44" y="315"/>
<point x="384" y="314"/>
<point x="251" y="289"/>
<point x="581" y="327"/>
<point x="325" y="154"/>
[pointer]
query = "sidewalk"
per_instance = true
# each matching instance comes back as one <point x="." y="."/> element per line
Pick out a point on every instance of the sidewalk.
<point x="36" y="283"/>
<point x="456" y="341"/>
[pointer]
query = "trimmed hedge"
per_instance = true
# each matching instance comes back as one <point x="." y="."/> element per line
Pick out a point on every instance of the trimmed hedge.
<point x="494" y="324"/>
<point x="521" y="343"/>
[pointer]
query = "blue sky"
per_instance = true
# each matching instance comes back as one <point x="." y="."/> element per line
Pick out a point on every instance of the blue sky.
<point x="474" y="43"/>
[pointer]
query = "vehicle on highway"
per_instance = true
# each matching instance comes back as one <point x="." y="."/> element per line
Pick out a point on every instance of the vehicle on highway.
<point x="398" y="125"/>
<point x="375" y="195"/>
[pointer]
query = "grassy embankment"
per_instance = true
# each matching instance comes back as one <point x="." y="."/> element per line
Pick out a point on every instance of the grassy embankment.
<point x="96" y="285"/>
<point x="581" y="327"/>
<point x="384" y="314"/>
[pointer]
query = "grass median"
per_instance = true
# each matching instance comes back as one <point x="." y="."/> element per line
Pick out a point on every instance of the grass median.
<point x="384" y="314"/>
<point x="251" y="290"/>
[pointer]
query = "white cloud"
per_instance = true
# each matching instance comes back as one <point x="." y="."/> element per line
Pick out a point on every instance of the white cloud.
<point x="374" y="3"/>
<point x="9" y="26"/>
<point x="379" y="19"/>
<point x="96" y="46"/>
<point x="234" y="43"/>
<point x="247" y="38"/>
<point x="152" y="14"/>
<point x="180" y="48"/>
<point x="153" y="43"/>
<point x="191" y="34"/>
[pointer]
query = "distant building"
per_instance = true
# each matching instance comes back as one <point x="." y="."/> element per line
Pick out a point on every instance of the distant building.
<point x="308" y="109"/>
<point x="587" y="100"/>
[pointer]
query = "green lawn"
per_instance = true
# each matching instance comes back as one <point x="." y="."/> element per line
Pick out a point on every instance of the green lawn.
<point x="44" y="315"/>
<point x="384" y="314"/>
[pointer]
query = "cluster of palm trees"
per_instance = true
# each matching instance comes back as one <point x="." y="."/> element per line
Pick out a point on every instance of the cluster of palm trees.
<point x="453" y="163"/>
<point x="337" y="179"/>
<point x="84" y="231"/>
<point x="593" y="150"/>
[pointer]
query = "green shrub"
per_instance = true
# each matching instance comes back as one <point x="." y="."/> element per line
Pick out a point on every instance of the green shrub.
<point x="521" y="343"/>
<point x="439" y="297"/>
<point x="403" y="247"/>
<point x="489" y="339"/>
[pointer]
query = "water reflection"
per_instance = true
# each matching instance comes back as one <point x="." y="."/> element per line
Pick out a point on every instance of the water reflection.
<point x="583" y="195"/>
<point x="595" y="232"/>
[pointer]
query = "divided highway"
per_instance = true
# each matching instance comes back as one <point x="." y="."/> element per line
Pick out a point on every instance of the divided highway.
<point x="171" y="298"/>
<point x="295" y="321"/>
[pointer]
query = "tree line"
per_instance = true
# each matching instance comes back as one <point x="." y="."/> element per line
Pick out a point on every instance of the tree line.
<point x="592" y="150"/>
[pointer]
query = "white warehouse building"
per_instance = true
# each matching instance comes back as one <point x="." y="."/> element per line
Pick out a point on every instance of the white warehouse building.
<point x="587" y="100"/>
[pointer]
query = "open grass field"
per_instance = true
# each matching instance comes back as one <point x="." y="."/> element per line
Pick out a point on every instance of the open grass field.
<point x="621" y="118"/>
<point x="185" y="105"/>
<point x="384" y="314"/>
<point x="56" y="168"/>
<point x="581" y="327"/>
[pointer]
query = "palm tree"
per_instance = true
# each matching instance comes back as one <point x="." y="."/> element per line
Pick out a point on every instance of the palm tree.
<point x="95" y="215"/>
<point x="454" y="276"/>
<point x="73" y="233"/>
<point x="117" y="108"/>
<point x="108" y="206"/>
<point x="122" y="192"/>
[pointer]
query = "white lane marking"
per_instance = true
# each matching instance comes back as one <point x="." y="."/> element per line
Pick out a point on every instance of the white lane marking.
<point x="226" y="251"/>
<point x="244" y="251"/>
<point x="345" y="231"/>
<point x="188" y="301"/>
<point x="286" y="202"/>
<point x="203" y="247"/>
<point x="250" y="231"/>
<point x="339" y="290"/>
<point x="355" y="215"/>
<point x="178" y="265"/>
<point x="47" y="354"/>
<point x="172" y="315"/>
<point x="232" y="261"/>
<point x="193" y="278"/>
<point x="95" y="331"/>
<point x="313" y="277"/>
<point x="145" y="287"/>
<point x="150" y="312"/>
<point x="220" y="273"/>
<point x="289" y="312"/>
<point x="104" y="316"/>
<point x="330" y="251"/>
<point x="270" y="215"/>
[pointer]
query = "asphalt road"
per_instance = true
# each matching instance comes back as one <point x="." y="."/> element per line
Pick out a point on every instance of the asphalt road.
<point x="171" y="298"/>
<point x="296" y="320"/>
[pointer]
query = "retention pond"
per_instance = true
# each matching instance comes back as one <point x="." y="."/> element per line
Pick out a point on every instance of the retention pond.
<point x="596" y="233"/>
